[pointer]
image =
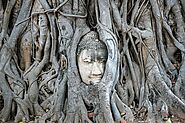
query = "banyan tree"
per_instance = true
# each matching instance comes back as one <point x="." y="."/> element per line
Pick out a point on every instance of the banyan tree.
<point x="92" y="61"/>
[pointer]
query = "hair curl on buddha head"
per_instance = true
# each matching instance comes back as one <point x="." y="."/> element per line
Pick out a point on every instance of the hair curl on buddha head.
<point x="90" y="41"/>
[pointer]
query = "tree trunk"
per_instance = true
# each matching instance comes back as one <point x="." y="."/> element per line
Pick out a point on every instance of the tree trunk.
<point x="142" y="78"/>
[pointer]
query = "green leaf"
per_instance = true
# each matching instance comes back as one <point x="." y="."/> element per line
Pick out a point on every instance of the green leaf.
<point x="168" y="121"/>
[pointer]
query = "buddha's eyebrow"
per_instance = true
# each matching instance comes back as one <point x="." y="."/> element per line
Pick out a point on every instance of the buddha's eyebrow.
<point x="102" y="56"/>
<point x="89" y="56"/>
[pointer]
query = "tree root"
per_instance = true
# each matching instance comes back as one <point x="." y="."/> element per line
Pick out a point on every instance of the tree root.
<point x="80" y="116"/>
<point x="179" y="85"/>
<point x="7" y="97"/>
<point x="174" y="103"/>
<point x="124" y="109"/>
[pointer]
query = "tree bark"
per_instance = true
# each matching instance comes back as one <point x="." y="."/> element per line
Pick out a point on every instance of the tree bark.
<point x="143" y="80"/>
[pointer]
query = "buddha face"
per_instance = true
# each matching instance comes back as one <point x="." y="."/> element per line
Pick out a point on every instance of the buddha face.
<point x="91" y="64"/>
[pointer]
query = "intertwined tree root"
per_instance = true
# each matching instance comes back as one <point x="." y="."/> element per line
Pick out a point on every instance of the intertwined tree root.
<point x="144" y="75"/>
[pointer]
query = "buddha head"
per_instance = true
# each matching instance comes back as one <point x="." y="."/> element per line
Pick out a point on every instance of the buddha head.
<point x="91" y="58"/>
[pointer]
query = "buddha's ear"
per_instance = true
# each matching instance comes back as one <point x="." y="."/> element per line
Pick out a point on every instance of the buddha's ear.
<point x="83" y="53"/>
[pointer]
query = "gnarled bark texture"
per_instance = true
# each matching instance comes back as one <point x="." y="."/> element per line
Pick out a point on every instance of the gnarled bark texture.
<point x="144" y="77"/>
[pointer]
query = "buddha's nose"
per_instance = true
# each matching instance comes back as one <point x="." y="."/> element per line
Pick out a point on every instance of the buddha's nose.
<point x="96" y="69"/>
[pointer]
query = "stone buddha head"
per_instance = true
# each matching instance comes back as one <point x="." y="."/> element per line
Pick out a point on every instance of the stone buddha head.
<point x="91" y="58"/>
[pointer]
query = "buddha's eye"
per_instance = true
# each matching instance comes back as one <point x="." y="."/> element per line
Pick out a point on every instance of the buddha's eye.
<point x="87" y="60"/>
<point x="102" y="60"/>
